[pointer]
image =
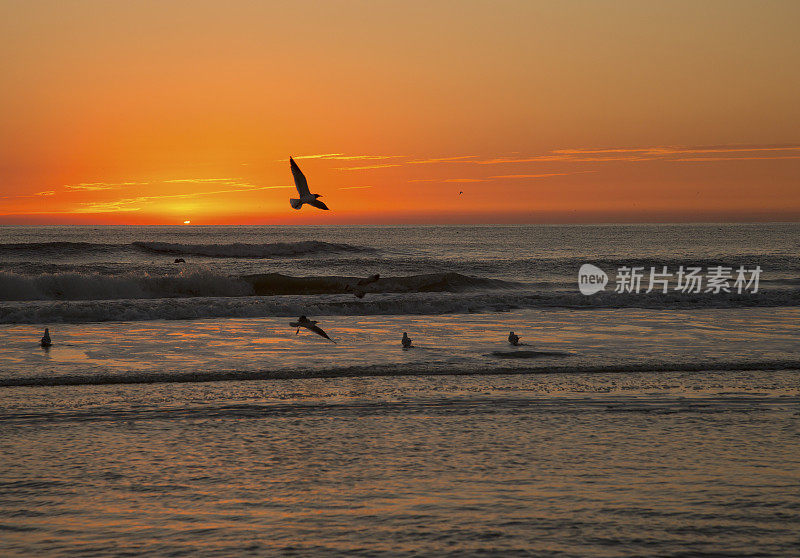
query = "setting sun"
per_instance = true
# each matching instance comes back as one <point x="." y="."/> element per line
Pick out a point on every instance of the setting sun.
<point x="578" y="112"/>
<point x="462" y="277"/>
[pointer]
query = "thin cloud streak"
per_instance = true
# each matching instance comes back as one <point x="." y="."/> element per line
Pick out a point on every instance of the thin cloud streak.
<point x="655" y="153"/>
<point x="343" y="157"/>
<point x="110" y="207"/>
<point x="440" y="160"/>
<point x="712" y="159"/>
<point x="365" y="157"/>
<point x="459" y="158"/>
<point x="96" y="186"/>
<point x="369" y="167"/>
<point x="28" y="196"/>
<point x="99" y="186"/>
<point x="497" y="176"/>
<point x="683" y="150"/>
<point x="319" y="156"/>
<point x="543" y="175"/>
<point x="454" y="180"/>
<point x="124" y="204"/>
<point x="192" y="180"/>
<point x="582" y="155"/>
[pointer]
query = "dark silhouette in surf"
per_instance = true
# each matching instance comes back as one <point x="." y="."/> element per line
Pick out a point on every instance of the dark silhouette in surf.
<point x="513" y="338"/>
<point x="46" y="341"/>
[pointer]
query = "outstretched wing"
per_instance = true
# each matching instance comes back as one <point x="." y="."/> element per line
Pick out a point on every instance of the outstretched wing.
<point x="318" y="204"/>
<point x="370" y="279"/>
<point x="299" y="180"/>
<point x="318" y="330"/>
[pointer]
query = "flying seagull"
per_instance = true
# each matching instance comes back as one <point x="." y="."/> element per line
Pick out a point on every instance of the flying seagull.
<point x="302" y="188"/>
<point x="368" y="280"/>
<point x="358" y="291"/>
<point x="310" y="325"/>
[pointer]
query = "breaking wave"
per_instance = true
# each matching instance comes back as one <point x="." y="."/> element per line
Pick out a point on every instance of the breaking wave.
<point x="278" y="284"/>
<point x="418" y="303"/>
<point x="198" y="281"/>
<point x="191" y="282"/>
<point x="239" y="250"/>
<point x="40" y="249"/>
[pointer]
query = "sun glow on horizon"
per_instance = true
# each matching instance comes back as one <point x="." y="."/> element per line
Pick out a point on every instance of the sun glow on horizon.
<point x="620" y="122"/>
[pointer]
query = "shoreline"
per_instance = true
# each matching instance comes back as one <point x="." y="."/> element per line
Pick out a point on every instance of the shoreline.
<point x="380" y="371"/>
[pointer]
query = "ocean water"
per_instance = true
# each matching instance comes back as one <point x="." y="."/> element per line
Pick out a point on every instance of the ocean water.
<point x="178" y="413"/>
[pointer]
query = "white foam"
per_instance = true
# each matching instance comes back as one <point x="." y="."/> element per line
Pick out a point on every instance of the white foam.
<point x="240" y="250"/>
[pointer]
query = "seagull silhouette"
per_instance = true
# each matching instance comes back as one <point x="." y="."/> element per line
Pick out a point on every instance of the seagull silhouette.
<point x="357" y="290"/>
<point x="310" y="325"/>
<point x="46" y="341"/>
<point x="368" y="280"/>
<point x="302" y="188"/>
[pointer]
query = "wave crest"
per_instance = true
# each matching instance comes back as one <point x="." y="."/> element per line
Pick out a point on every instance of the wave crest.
<point x="40" y="249"/>
<point x="278" y="284"/>
<point x="189" y="282"/>
<point x="239" y="250"/>
<point x="347" y="305"/>
<point x="199" y="281"/>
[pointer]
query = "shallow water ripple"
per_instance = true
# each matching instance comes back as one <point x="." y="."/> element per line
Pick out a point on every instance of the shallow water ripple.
<point x="404" y="467"/>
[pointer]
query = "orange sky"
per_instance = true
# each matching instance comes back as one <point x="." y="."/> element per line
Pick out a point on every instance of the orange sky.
<point x="573" y="111"/>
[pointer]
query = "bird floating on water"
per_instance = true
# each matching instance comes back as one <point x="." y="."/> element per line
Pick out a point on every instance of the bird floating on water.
<point x="46" y="341"/>
<point x="310" y="325"/>
<point x="406" y="341"/>
<point x="513" y="338"/>
<point x="301" y="184"/>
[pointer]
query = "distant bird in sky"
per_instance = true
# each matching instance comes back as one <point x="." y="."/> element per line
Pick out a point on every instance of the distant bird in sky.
<point x="302" y="188"/>
<point x="46" y="341"/>
<point x="310" y="325"/>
